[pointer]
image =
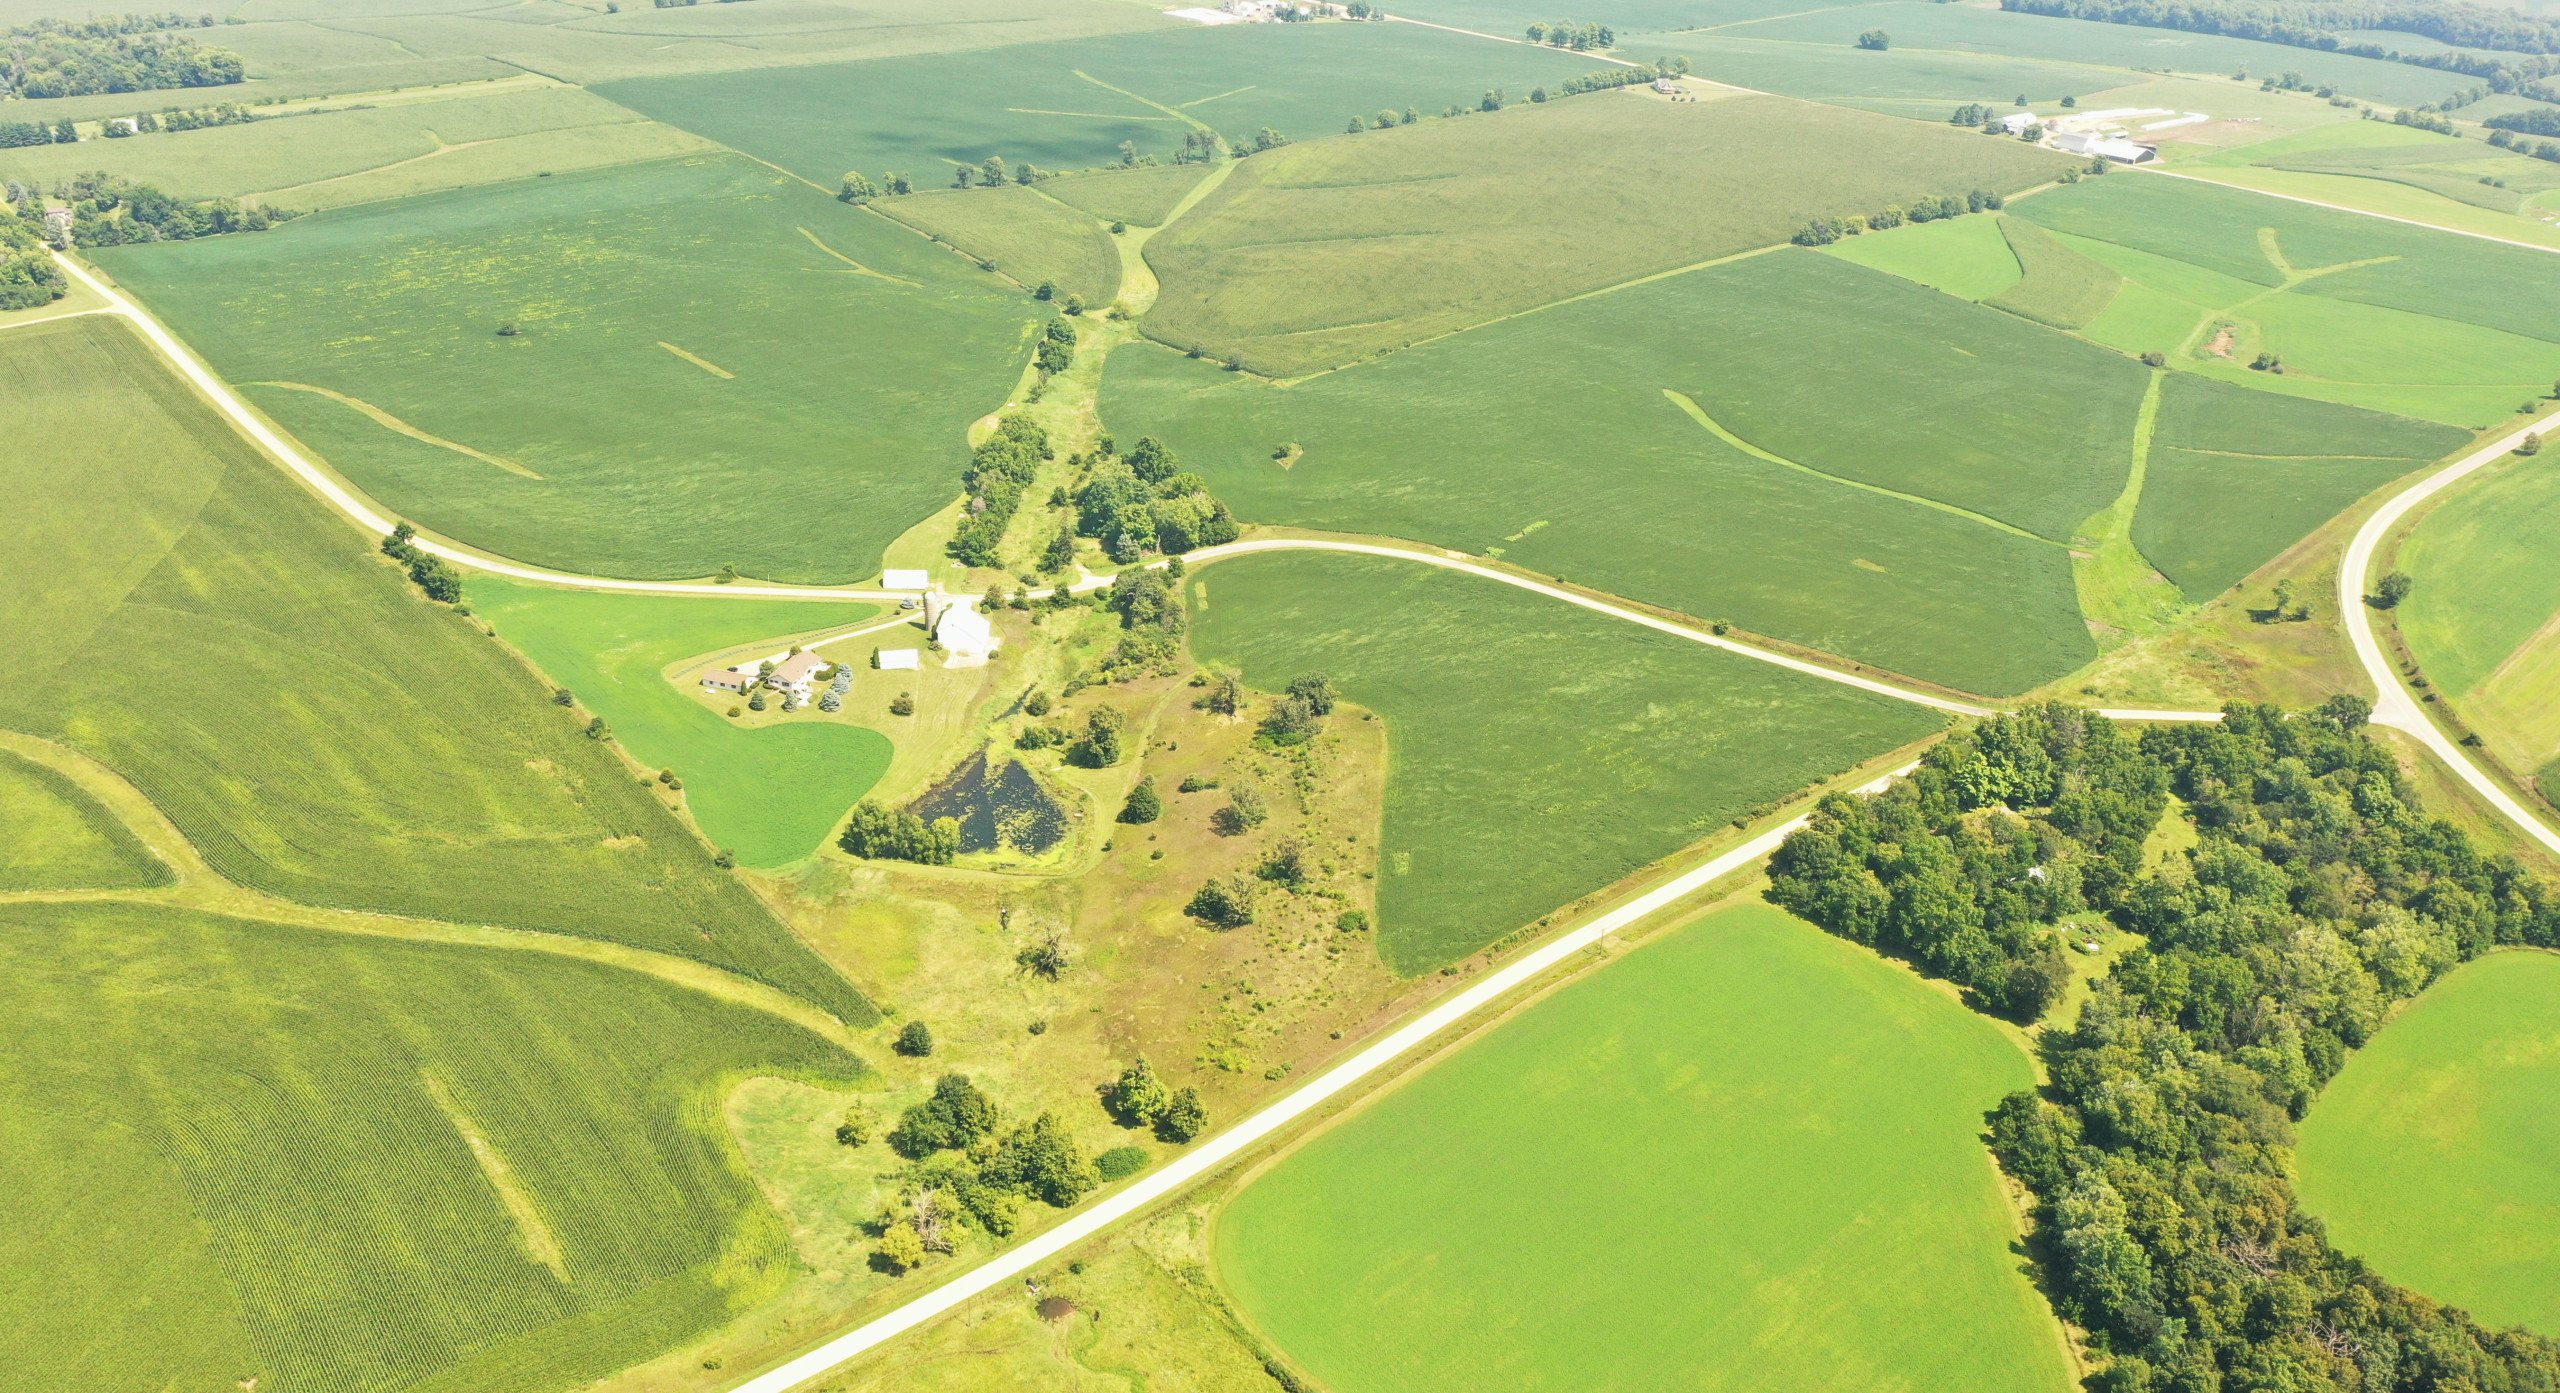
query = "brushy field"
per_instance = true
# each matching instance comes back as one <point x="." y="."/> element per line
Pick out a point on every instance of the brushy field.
<point x="243" y="1152"/>
<point x="2056" y="285"/>
<point x="1470" y="444"/>
<point x="2296" y="463"/>
<point x="768" y="795"/>
<point x="2484" y="618"/>
<point x="2362" y="311"/>
<point x="1066" y="106"/>
<point x="1028" y="237"/>
<point x="54" y="836"/>
<point x="1719" y="1163"/>
<point x="1965" y="257"/>
<point x="314" y="726"/>
<point x="714" y="364"/>
<point x="1319" y="254"/>
<point x="1631" y="746"/>
<point x="2435" y="1154"/>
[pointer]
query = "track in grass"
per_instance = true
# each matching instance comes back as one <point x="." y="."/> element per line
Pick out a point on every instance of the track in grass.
<point x="1721" y="1163"/>
<point x="2435" y="1154"/>
<point x="1628" y="746"/>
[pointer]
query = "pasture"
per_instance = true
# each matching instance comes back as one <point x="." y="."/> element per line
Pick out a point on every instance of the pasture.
<point x="1741" y="1157"/>
<point x="2435" y="1154"/>
<point x="1965" y="257"/>
<point x="1026" y="236"/>
<point x="2056" y="286"/>
<point x="1617" y="746"/>
<point x="1258" y="268"/>
<point x="768" y="795"/>
<point x="2484" y="618"/>
<point x="711" y="365"/>
<point x="54" y="836"/>
<point x="317" y="729"/>
<point x="245" y="1152"/>
<point x="1145" y="196"/>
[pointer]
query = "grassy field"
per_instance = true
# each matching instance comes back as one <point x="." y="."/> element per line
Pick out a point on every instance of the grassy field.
<point x="1690" y="1169"/>
<point x="2056" y="285"/>
<point x="715" y="365"/>
<point x="2432" y="1154"/>
<point x="2401" y="171"/>
<point x="1028" y="237"/>
<point x="768" y="795"/>
<point x="244" y="1152"/>
<point x="1965" y="257"/>
<point x="54" y="836"/>
<point x="1145" y="196"/>
<point x="317" y="729"/>
<point x="1258" y="268"/>
<point x="1635" y="746"/>
<point x="1065" y="106"/>
<point x="2484" y="618"/>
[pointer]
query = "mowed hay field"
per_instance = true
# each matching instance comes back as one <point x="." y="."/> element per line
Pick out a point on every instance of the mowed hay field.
<point x="1318" y="254"/>
<point x="2484" y="618"/>
<point x="2362" y="311"/>
<point x="247" y="1154"/>
<point x="1741" y="1158"/>
<point x="1616" y="746"/>
<point x="714" y="365"/>
<point x="768" y="795"/>
<point x="316" y="728"/>
<point x="1069" y="106"/>
<point x="54" y="836"/>
<point x="2435" y="1154"/>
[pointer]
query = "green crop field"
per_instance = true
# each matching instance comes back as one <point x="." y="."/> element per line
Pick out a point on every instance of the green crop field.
<point x="317" y="729"/>
<point x="1900" y="82"/>
<point x="1028" y="237"/>
<point x="1741" y="1158"/>
<point x="54" y="836"/>
<point x="715" y="365"/>
<point x="1965" y="257"/>
<point x="2435" y="1154"/>
<point x="1616" y="746"/>
<point x="2362" y="311"/>
<point x="1065" y="106"/>
<point x="1258" y="267"/>
<point x="2056" y="285"/>
<point x="2484" y="618"/>
<point x="769" y="795"/>
<point x="245" y="1153"/>
<point x="2400" y="171"/>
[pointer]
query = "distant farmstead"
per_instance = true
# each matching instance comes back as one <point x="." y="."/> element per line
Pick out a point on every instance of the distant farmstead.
<point x="2106" y="148"/>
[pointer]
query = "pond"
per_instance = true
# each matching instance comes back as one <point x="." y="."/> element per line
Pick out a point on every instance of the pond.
<point x="998" y="808"/>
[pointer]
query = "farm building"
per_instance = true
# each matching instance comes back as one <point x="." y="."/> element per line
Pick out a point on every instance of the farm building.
<point x="901" y="659"/>
<point x="2105" y="147"/>
<point x="791" y="675"/>
<point x="967" y="636"/>
<point x="2017" y="121"/>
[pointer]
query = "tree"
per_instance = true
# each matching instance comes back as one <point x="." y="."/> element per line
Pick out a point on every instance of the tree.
<point x="858" y="189"/>
<point x="915" y="1041"/>
<point x="960" y="177"/>
<point x="1047" y="954"/>
<point x="1145" y="805"/>
<point x="2284" y="598"/>
<point x="1102" y="745"/>
<point x="954" y="1118"/>
<point x="1492" y="100"/>
<point x="1224" y="904"/>
<point x="1356" y="127"/>
<point x="2394" y="588"/>
<point x="1137" y="1097"/>
<point x="991" y="172"/>
<point x="1411" y="116"/>
<point x="901" y="1249"/>
<point x="1876" y="40"/>
<point x="2530" y="445"/>
<point x="1041" y="1160"/>
<point x="1226" y="695"/>
<point x="1244" y="812"/>
<point x="1183" y="1117"/>
<point x="1538" y="95"/>
<point x="899" y="184"/>
<point x="1316" y="690"/>
<point x="859" y="1125"/>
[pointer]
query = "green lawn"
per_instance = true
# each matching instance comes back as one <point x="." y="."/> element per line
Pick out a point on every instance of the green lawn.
<point x="2435" y="1154"/>
<point x="1322" y="253"/>
<point x="245" y="1153"/>
<point x="319" y="731"/>
<point x="1028" y="237"/>
<point x="1965" y="257"/>
<point x="835" y="363"/>
<point x="769" y="795"/>
<point x="54" y="836"/>
<point x="1741" y="1158"/>
<point x="1610" y="747"/>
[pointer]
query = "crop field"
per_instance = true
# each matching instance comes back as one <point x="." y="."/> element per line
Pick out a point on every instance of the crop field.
<point x="1689" y="1168"/>
<point x="2056" y="285"/>
<point x="290" y="703"/>
<point x="2435" y="1154"/>
<point x="1899" y="82"/>
<point x="1634" y="745"/>
<point x="1257" y="267"/>
<point x="1069" y="106"/>
<point x="54" y="836"/>
<point x="245" y="1152"/>
<point x="1028" y="237"/>
<point x="2362" y="311"/>
<point x="1965" y="257"/>
<point x="2484" y="618"/>
<point x="2403" y="172"/>
<point x="768" y="795"/>
<point x="713" y="364"/>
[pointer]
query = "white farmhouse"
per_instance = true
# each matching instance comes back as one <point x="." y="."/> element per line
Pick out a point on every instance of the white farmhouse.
<point x="792" y="675"/>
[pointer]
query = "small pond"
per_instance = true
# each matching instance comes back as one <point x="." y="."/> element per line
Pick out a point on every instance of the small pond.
<point x="997" y="807"/>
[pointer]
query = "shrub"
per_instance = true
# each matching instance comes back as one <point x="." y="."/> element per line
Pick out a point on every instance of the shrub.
<point x="903" y="704"/>
<point x="1244" y="812"/>
<point x="1225" y="904"/>
<point x="1183" y="1117"/>
<point x="901" y="1249"/>
<point x="1353" y="921"/>
<point x="860" y="1125"/>
<point x="1145" y="805"/>
<point x="1120" y="1162"/>
<point x="915" y="1041"/>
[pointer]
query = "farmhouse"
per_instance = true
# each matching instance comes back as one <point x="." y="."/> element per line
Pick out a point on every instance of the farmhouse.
<point x="791" y="675"/>
<point x="967" y="636"/>
<point x="1666" y="86"/>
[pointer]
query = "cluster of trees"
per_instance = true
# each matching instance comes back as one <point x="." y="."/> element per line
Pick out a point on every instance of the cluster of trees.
<point x="1139" y="1099"/>
<point x="2309" y="24"/>
<point x="2422" y="120"/>
<point x="1581" y="38"/>
<point x="432" y="574"/>
<point x="28" y="277"/>
<point x="194" y="118"/>
<point x="1057" y="347"/>
<point x="116" y="53"/>
<point x="1387" y="117"/>
<point x="894" y="834"/>
<point x="1963" y="868"/>
<point x="1875" y="40"/>
<point x="2317" y="897"/>
<point x="1298" y="716"/>
<point x="1610" y="79"/>
<point x="972" y="1170"/>
<point x="19" y="134"/>
<point x="990" y="173"/>
<point x="1147" y="502"/>
<point x="999" y="470"/>
<point x="1822" y="232"/>
<point x="1199" y="147"/>
<point x="1152" y="619"/>
<point x="108" y="211"/>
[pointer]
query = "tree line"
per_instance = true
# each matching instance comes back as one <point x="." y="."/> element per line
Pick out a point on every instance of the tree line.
<point x="118" y="53"/>
<point x="1581" y="38"/>
<point x="2308" y="24"/>
<point x="2318" y="895"/>
<point x="110" y="211"/>
<point x="999" y="470"/>
<point x="28" y="277"/>
<point x="1822" y="232"/>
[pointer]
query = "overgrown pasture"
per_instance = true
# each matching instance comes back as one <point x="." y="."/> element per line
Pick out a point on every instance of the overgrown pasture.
<point x="248" y="1154"/>
<point x="1316" y="255"/>
<point x="1696" y="1167"/>
<point x="2432" y="1154"/>
<point x="1536" y="752"/>
<point x="311" y="723"/>
<point x="653" y="371"/>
